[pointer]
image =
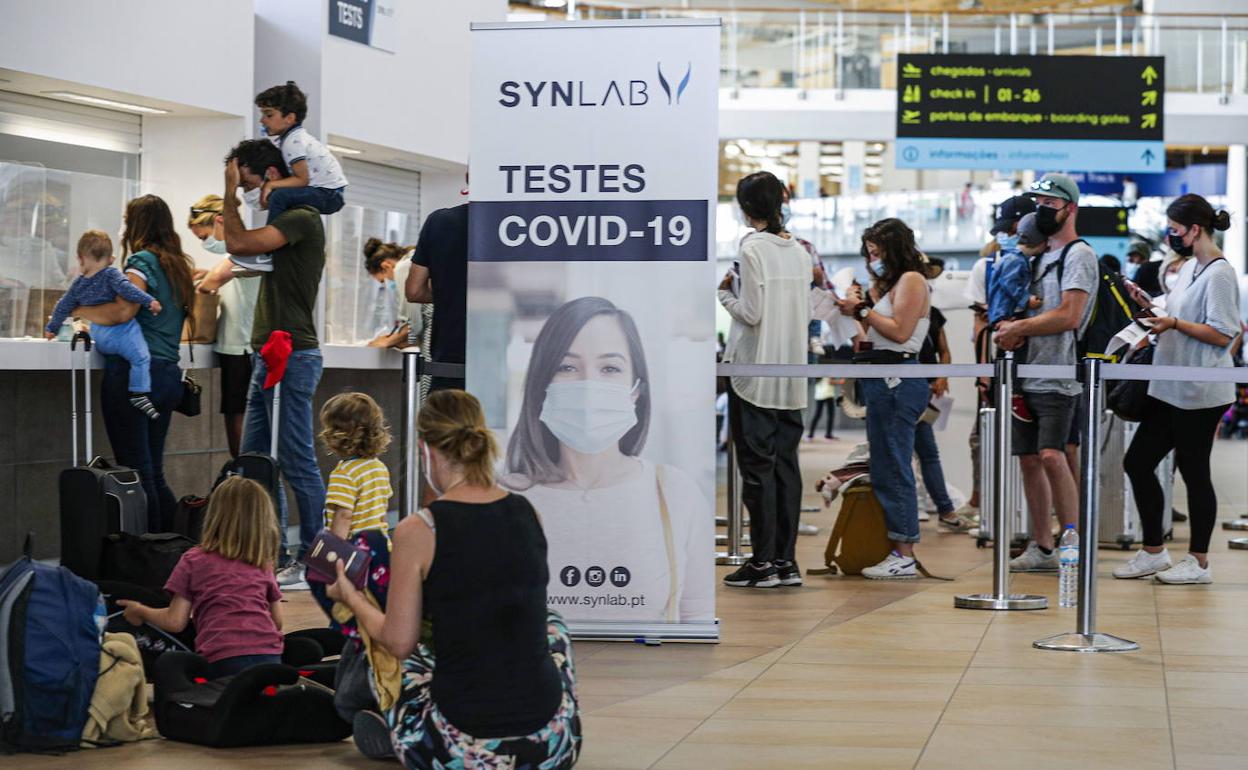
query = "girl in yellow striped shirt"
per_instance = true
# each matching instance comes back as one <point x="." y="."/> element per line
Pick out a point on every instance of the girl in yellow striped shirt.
<point x="358" y="495"/>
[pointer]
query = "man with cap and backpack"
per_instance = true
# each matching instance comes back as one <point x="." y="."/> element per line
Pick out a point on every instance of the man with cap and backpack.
<point x="1065" y="278"/>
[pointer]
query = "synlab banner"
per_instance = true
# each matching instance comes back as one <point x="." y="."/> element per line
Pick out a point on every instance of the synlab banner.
<point x="590" y="336"/>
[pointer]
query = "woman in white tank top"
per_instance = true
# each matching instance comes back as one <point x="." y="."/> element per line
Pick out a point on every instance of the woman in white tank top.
<point x="897" y="324"/>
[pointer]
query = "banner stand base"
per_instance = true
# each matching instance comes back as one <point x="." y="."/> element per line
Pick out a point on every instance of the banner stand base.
<point x="644" y="633"/>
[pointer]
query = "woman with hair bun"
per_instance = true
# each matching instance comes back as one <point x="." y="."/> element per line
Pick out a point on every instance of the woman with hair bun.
<point x="395" y="322"/>
<point x="768" y="299"/>
<point x="497" y="684"/>
<point x="1200" y="325"/>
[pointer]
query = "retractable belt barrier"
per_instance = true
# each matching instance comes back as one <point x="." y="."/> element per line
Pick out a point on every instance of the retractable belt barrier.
<point x="1004" y="373"/>
<point x="411" y="473"/>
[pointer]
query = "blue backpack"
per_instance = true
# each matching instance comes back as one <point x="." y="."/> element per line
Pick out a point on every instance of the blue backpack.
<point x="49" y="655"/>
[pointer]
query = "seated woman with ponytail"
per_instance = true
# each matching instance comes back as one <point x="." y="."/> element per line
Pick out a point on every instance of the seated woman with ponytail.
<point x="498" y="682"/>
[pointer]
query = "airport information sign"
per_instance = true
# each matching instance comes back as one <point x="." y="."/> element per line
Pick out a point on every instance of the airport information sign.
<point x="1076" y="113"/>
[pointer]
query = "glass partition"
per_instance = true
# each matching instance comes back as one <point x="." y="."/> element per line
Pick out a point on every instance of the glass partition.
<point x="357" y="306"/>
<point x="42" y="213"/>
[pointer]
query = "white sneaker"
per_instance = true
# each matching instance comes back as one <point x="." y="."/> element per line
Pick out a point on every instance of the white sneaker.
<point x="290" y="574"/>
<point x="807" y="529"/>
<point x="262" y="263"/>
<point x="1034" y="560"/>
<point x="1187" y="571"/>
<point x="925" y="516"/>
<point x="893" y="567"/>
<point x="1143" y="564"/>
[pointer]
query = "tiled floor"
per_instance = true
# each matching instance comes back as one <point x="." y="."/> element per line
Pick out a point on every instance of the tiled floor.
<point x="843" y="673"/>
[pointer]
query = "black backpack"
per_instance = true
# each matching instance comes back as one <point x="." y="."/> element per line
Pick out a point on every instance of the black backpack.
<point x="1112" y="309"/>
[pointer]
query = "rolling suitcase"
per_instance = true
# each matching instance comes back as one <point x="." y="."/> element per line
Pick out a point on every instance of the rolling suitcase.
<point x="258" y="466"/>
<point x="1020" y="519"/>
<point x="1120" y="519"/>
<point x="97" y="498"/>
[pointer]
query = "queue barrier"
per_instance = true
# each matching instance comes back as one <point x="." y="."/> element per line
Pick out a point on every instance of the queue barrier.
<point x="1092" y="373"/>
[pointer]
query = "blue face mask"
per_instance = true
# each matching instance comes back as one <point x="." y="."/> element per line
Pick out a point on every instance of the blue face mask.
<point x="786" y="213"/>
<point x="1007" y="242"/>
<point x="877" y="268"/>
<point x="862" y="276"/>
<point x="214" y="246"/>
<point x="1130" y="270"/>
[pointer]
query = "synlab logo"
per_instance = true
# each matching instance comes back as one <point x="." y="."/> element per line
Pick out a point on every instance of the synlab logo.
<point x="580" y="93"/>
<point x="680" y="89"/>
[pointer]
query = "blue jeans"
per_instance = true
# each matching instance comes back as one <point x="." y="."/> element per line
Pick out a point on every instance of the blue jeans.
<point x="892" y="414"/>
<point x="126" y="340"/>
<point x="296" y="446"/>
<point x="929" y="463"/>
<point x="239" y="663"/>
<point x="139" y="442"/>
<point x="284" y="198"/>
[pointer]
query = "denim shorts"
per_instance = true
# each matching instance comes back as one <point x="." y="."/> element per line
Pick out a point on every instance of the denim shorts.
<point x="1052" y="415"/>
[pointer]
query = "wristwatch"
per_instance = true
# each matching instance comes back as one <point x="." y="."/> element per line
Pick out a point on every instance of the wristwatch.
<point x="862" y="311"/>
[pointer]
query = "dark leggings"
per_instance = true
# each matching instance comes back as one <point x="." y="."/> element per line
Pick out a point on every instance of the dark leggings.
<point x="1189" y="432"/>
<point x="830" y="405"/>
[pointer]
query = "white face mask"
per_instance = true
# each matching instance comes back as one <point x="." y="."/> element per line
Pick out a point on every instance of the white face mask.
<point x="589" y="416"/>
<point x="252" y="198"/>
<point x="428" y="468"/>
<point x="214" y="246"/>
<point x="1171" y="279"/>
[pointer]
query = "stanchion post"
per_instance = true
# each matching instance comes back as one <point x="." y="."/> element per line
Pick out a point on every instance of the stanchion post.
<point x="409" y="478"/>
<point x="1002" y="497"/>
<point x="735" y="555"/>
<point x="1085" y="637"/>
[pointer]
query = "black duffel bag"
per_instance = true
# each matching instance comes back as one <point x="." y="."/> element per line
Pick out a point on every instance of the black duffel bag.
<point x="144" y="560"/>
<point x="1128" y="399"/>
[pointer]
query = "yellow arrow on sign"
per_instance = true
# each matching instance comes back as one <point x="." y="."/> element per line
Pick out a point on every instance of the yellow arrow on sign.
<point x="1149" y="74"/>
<point x="1149" y="99"/>
<point x="1148" y="120"/>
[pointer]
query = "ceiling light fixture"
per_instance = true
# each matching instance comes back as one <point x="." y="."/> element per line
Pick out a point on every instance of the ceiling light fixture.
<point x="343" y="150"/>
<point x="99" y="102"/>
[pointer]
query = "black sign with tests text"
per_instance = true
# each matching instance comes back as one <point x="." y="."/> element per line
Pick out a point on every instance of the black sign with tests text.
<point x="973" y="96"/>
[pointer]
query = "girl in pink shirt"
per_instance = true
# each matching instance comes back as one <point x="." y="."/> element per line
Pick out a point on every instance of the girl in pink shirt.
<point x="226" y="583"/>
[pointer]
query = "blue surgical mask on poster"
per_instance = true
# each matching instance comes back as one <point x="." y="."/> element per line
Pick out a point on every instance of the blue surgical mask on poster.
<point x="1007" y="242"/>
<point x="786" y="213"/>
<point x="877" y="268"/>
<point x="589" y="416"/>
<point x="213" y="246"/>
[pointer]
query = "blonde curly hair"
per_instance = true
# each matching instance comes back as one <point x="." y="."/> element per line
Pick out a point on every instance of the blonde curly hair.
<point x="352" y="425"/>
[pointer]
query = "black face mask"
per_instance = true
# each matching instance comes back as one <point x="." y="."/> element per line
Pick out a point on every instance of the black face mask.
<point x="1176" y="243"/>
<point x="1047" y="222"/>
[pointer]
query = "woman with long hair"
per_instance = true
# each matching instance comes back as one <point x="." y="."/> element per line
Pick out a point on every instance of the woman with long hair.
<point x="153" y="261"/>
<point x="1200" y="325"/>
<point x="896" y="321"/>
<point x="575" y="453"/>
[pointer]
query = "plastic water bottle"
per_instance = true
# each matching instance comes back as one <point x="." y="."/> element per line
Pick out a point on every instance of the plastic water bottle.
<point x="1068" y="564"/>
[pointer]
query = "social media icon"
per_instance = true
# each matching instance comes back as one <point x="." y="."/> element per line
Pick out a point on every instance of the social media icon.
<point x="620" y="577"/>
<point x="595" y="576"/>
<point x="569" y="576"/>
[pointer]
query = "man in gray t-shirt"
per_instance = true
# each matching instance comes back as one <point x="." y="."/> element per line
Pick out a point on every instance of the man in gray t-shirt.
<point x="1044" y="411"/>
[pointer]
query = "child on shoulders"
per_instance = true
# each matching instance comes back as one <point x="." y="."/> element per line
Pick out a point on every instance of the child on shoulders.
<point x="227" y="583"/>
<point x="316" y="177"/>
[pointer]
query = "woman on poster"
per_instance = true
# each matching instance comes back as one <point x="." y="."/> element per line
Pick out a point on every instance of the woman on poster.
<point x="628" y="539"/>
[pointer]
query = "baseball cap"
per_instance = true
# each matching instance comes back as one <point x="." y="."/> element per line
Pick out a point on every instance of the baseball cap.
<point x="1056" y="186"/>
<point x="1142" y="249"/>
<point x="1028" y="232"/>
<point x="1010" y="211"/>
